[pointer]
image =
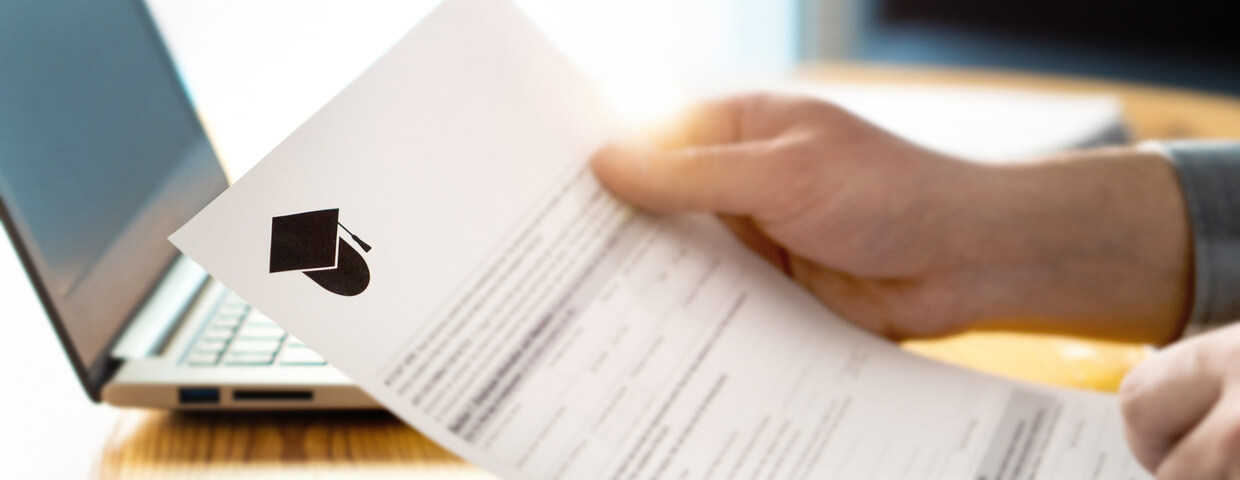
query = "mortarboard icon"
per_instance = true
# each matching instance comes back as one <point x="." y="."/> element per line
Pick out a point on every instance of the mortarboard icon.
<point x="310" y="242"/>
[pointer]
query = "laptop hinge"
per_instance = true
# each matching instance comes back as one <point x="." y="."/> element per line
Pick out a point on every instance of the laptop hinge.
<point x="157" y="320"/>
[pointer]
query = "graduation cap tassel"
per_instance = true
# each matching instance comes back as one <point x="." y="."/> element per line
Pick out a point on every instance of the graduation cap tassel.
<point x="365" y="246"/>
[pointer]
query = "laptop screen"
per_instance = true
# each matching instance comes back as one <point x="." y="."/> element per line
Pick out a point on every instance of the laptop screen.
<point x="101" y="157"/>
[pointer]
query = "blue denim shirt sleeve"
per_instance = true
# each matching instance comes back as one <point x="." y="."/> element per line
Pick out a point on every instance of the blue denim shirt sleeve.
<point x="1209" y="174"/>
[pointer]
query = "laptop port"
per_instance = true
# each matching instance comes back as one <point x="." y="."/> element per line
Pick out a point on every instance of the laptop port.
<point x="199" y="396"/>
<point x="272" y="395"/>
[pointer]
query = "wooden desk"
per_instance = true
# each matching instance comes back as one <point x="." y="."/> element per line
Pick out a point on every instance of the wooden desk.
<point x="153" y="444"/>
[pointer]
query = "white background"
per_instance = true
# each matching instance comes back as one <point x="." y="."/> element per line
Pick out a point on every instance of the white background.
<point x="256" y="70"/>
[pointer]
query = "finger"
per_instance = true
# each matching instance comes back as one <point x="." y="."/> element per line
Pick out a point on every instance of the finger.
<point x="757" y="240"/>
<point x="1210" y="450"/>
<point x="844" y="294"/>
<point x="725" y="179"/>
<point x="735" y="119"/>
<point x="1164" y="398"/>
<point x="711" y="122"/>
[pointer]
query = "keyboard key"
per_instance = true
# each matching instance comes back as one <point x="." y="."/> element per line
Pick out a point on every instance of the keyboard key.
<point x="202" y="359"/>
<point x="300" y="356"/>
<point x="248" y="358"/>
<point x="232" y="307"/>
<point x="218" y="334"/>
<point x="210" y="345"/>
<point x="262" y="324"/>
<point x="222" y="328"/>
<point x="250" y="345"/>
<point x="260" y="332"/>
<point x="258" y="318"/>
<point x="230" y="321"/>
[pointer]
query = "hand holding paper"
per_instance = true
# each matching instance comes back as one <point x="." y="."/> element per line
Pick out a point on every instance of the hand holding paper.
<point x="912" y="243"/>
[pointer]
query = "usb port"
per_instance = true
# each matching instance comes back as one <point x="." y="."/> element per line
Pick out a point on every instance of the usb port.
<point x="272" y="395"/>
<point x="199" y="396"/>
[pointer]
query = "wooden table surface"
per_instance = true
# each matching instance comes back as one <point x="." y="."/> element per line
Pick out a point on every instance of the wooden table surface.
<point x="158" y="444"/>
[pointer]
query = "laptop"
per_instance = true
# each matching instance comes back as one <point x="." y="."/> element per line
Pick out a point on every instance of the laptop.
<point x="101" y="157"/>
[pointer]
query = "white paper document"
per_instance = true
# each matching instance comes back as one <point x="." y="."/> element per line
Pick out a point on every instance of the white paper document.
<point x="435" y="233"/>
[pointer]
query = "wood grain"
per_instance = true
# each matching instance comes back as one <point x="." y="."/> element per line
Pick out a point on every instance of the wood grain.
<point x="352" y="444"/>
<point x="154" y="444"/>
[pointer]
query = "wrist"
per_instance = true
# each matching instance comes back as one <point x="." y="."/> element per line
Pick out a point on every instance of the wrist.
<point x="1094" y="243"/>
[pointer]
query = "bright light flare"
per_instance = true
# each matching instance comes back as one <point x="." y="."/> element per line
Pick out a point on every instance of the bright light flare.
<point x="643" y="97"/>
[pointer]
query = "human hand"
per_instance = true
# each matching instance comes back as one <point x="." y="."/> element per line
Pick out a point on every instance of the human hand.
<point x="908" y="242"/>
<point x="1182" y="408"/>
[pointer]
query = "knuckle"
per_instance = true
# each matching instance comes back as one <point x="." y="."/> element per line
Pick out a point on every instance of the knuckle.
<point x="1133" y="400"/>
<point x="1229" y="435"/>
<point x="1131" y="387"/>
<point x="1225" y="352"/>
<point x="1201" y="357"/>
<point x="749" y="105"/>
<point x="794" y="183"/>
<point x="796" y="163"/>
<point x="825" y="110"/>
<point x="751" y="98"/>
<point x="788" y="108"/>
<point x="835" y="117"/>
<point x="821" y="114"/>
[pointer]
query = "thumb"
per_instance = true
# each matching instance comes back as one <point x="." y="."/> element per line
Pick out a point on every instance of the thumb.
<point x="727" y="178"/>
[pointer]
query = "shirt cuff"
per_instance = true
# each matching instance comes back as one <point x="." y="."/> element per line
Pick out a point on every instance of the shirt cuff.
<point x="1209" y="174"/>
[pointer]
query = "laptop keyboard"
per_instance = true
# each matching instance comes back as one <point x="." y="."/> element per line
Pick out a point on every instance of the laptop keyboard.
<point x="238" y="335"/>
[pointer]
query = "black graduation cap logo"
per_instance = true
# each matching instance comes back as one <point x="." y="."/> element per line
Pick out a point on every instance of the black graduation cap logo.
<point x="310" y="243"/>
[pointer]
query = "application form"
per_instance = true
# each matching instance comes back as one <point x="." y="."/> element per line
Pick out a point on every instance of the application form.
<point x="481" y="284"/>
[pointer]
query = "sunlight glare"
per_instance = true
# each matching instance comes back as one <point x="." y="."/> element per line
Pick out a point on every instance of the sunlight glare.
<point x="643" y="96"/>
